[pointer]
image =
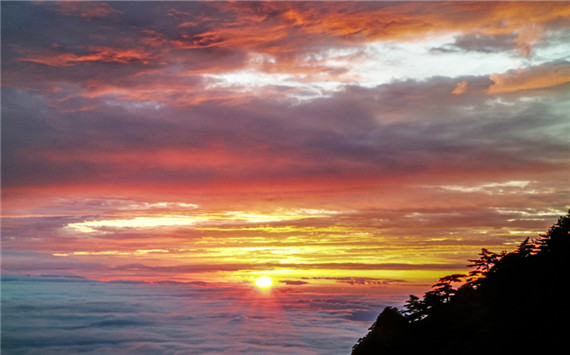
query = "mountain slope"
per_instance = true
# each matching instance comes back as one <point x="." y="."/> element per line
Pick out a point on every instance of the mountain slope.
<point x="510" y="303"/>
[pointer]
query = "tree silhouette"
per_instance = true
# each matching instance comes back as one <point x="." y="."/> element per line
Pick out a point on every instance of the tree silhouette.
<point x="444" y="289"/>
<point x="483" y="265"/>
<point x="510" y="303"/>
<point x="415" y="308"/>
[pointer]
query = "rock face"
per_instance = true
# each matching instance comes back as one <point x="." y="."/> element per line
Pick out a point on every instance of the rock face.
<point x="510" y="303"/>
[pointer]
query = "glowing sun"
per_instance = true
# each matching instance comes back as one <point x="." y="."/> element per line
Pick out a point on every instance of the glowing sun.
<point x="264" y="282"/>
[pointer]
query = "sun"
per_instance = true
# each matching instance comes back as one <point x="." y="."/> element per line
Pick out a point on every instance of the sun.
<point x="264" y="282"/>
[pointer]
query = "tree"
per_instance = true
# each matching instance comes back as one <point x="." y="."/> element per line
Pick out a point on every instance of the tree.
<point x="483" y="265"/>
<point x="526" y="248"/>
<point x="444" y="288"/>
<point x="415" y="308"/>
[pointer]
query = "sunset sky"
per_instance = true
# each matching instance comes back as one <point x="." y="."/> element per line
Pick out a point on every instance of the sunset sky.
<point x="355" y="147"/>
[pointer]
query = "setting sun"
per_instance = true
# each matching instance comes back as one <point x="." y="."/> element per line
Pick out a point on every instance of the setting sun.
<point x="264" y="282"/>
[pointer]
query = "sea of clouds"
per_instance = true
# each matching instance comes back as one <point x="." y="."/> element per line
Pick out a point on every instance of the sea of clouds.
<point x="57" y="315"/>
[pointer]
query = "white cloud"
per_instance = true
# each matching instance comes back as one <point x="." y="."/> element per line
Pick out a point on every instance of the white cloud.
<point x="369" y="65"/>
<point x="490" y="188"/>
<point x="187" y="220"/>
<point x="137" y="222"/>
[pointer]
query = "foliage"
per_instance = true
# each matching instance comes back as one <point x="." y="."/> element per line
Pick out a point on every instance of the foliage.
<point x="510" y="303"/>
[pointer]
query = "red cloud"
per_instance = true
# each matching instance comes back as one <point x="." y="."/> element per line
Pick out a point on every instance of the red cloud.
<point x="93" y="54"/>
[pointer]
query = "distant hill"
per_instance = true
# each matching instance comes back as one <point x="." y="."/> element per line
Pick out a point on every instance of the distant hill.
<point x="514" y="302"/>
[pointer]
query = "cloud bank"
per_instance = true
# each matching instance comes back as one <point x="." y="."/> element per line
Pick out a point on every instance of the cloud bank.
<point x="61" y="316"/>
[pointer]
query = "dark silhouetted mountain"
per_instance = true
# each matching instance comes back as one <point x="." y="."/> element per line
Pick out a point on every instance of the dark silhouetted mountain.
<point x="509" y="303"/>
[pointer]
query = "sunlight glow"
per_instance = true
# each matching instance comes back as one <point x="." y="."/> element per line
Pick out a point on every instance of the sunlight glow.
<point x="264" y="282"/>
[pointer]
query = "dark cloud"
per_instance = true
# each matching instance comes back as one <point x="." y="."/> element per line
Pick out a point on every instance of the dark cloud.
<point x="372" y="134"/>
<point x="19" y="262"/>
<point x="293" y="282"/>
<point x="198" y="268"/>
<point x="486" y="43"/>
<point x="365" y="280"/>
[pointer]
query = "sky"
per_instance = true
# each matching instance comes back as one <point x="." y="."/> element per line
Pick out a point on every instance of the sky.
<point x="344" y="148"/>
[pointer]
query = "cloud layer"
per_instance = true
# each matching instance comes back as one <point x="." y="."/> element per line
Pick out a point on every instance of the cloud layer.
<point x="60" y="316"/>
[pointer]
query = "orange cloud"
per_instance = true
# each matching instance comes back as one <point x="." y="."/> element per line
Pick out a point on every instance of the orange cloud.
<point x="407" y="21"/>
<point x="537" y="77"/>
<point x="460" y="88"/>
